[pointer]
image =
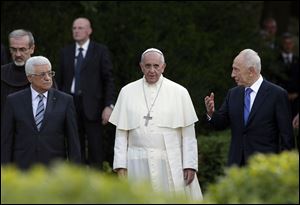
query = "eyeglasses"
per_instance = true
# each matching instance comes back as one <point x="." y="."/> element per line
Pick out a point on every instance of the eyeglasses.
<point x="43" y="74"/>
<point x="21" y="50"/>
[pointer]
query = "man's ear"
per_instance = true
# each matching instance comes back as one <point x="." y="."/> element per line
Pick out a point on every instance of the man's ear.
<point x="29" y="78"/>
<point x="32" y="49"/>
<point x="252" y="71"/>
<point x="141" y="66"/>
<point x="163" y="67"/>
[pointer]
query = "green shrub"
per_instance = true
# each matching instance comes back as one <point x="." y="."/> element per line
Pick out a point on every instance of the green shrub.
<point x="213" y="155"/>
<point x="267" y="179"/>
<point x="65" y="183"/>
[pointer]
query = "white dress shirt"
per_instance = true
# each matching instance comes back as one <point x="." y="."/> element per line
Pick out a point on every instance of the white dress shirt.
<point x="35" y="99"/>
<point x="255" y="87"/>
<point x="85" y="48"/>
<point x="287" y="57"/>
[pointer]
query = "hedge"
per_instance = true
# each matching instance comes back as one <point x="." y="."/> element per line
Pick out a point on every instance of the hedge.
<point x="67" y="183"/>
<point x="270" y="178"/>
<point x="213" y="156"/>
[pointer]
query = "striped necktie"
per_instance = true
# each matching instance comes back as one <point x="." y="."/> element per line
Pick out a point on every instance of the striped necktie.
<point x="39" y="116"/>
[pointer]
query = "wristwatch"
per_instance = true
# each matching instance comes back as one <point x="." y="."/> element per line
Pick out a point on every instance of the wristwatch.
<point x="111" y="106"/>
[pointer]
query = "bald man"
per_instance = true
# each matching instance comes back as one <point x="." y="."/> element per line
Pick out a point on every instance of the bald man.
<point x="85" y="71"/>
<point x="256" y="110"/>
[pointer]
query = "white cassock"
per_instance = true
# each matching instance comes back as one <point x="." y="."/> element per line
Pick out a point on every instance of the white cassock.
<point x="161" y="150"/>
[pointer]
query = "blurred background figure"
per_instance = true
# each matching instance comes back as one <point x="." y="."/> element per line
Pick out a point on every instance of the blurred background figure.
<point x="269" y="32"/>
<point x="4" y="58"/>
<point x="285" y="70"/>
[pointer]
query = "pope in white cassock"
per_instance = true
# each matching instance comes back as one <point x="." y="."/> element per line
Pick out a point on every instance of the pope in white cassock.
<point x="155" y="135"/>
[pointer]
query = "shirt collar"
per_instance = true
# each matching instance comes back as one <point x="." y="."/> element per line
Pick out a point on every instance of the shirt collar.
<point x="286" y="54"/>
<point x="255" y="86"/>
<point x="34" y="93"/>
<point x="84" y="46"/>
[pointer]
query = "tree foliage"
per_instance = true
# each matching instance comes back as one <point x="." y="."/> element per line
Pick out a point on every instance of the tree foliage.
<point x="199" y="39"/>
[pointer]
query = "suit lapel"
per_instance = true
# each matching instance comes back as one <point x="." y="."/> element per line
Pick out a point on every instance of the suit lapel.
<point x="71" y="58"/>
<point x="28" y="106"/>
<point x="259" y="99"/>
<point x="88" y="56"/>
<point x="51" y="100"/>
<point x="294" y="59"/>
<point x="240" y="104"/>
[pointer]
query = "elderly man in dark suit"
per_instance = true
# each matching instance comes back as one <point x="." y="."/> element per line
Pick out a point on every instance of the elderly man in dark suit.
<point x="85" y="71"/>
<point x="39" y="122"/>
<point x="257" y="111"/>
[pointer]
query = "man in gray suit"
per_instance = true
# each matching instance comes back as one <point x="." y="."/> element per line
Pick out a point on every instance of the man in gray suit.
<point x="39" y="121"/>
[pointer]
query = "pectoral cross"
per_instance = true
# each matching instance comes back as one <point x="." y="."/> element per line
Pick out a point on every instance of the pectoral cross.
<point x="147" y="118"/>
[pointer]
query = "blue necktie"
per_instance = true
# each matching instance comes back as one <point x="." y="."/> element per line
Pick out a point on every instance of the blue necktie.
<point x="39" y="116"/>
<point x="79" y="60"/>
<point x="247" y="104"/>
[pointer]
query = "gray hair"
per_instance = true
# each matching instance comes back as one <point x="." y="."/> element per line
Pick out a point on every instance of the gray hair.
<point x="20" y="33"/>
<point x="33" y="61"/>
<point x="153" y="50"/>
<point x="251" y="59"/>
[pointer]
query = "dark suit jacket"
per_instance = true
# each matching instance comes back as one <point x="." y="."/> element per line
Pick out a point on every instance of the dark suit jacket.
<point x="4" y="56"/>
<point x="23" y="144"/>
<point x="96" y="81"/>
<point x="287" y="75"/>
<point x="269" y="128"/>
